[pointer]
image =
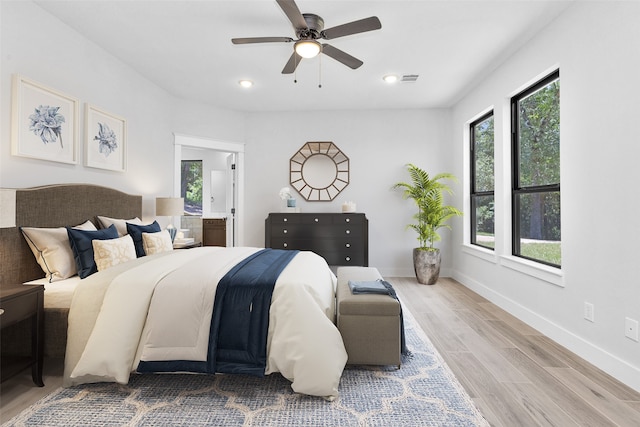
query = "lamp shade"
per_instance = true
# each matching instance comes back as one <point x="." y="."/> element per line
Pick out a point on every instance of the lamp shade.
<point x="7" y="208"/>
<point x="169" y="206"/>
<point x="307" y="48"/>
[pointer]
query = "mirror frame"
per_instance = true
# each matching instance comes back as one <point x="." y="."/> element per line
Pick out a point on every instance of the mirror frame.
<point x="335" y="182"/>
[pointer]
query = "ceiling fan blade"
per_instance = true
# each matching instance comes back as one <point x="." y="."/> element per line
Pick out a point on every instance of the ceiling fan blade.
<point x="246" y="40"/>
<point x="341" y="56"/>
<point x="290" y="9"/>
<point x="355" y="27"/>
<point x="292" y="64"/>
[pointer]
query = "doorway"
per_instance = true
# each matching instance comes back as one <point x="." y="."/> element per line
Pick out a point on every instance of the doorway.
<point x="234" y="191"/>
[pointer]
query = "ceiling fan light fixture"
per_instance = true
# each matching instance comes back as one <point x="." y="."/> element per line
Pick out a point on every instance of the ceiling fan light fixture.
<point x="307" y="48"/>
<point x="245" y="83"/>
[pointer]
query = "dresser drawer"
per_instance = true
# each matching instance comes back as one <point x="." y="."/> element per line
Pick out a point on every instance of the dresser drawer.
<point x="317" y="245"/>
<point x="17" y="309"/>
<point x="315" y="231"/>
<point x="339" y="258"/>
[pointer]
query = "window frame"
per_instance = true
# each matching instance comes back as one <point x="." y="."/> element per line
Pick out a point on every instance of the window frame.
<point x="474" y="194"/>
<point x="516" y="188"/>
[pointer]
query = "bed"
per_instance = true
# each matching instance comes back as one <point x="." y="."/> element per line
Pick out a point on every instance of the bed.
<point x="302" y="342"/>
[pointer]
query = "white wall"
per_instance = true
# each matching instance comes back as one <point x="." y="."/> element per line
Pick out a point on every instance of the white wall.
<point x="378" y="144"/>
<point x="40" y="47"/>
<point x="597" y="47"/>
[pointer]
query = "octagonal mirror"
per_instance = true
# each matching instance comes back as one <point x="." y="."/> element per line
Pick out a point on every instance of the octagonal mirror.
<point x="319" y="171"/>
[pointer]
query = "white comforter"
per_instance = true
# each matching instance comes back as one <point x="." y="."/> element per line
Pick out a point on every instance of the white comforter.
<point x="159" y="308"/>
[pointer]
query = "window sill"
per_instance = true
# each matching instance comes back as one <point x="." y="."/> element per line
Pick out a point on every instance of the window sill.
<point x="547" y="273"/>
<point x="480" y="252"/>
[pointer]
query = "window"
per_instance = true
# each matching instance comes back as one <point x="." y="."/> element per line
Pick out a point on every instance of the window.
<point x="191" y="186"/>
<point x="482" y="182"/>
<point x="536" y="171"/>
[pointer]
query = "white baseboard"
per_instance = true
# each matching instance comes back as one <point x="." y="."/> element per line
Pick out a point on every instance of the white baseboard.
<point x="609" y="363"/>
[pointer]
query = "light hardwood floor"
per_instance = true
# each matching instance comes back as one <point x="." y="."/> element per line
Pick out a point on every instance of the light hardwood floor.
<point x="515" y="375"/>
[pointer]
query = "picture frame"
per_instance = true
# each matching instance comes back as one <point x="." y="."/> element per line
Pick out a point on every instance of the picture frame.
<point x="106" y="139"/>
<point x="44" y="122"/>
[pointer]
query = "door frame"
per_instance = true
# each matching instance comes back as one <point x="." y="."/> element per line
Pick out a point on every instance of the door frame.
<point x="181" y="140"/>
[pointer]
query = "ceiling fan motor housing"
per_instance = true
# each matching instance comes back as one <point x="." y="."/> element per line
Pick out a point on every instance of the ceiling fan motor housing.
<point x="315" y="25"/>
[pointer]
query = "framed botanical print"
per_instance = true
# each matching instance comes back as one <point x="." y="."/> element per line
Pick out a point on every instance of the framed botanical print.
<point x="44" y="122"/>
<point x="106" y="139"/>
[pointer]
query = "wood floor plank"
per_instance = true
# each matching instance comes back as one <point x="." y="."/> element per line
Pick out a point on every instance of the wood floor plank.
<point x="562" y="395"/>
<point x="537" y="350"/>
<point x="540" y="406"/>
<point x="597" y="396"/>
<point x="485" y="329"/>
<point x="497" y="397"/>
<point x="511" y="320"/>
<point x="492" y="360"/>
<point x="613" y="386"/>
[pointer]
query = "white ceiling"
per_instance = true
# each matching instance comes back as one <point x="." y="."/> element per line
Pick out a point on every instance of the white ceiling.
<point x="185" y="47"/>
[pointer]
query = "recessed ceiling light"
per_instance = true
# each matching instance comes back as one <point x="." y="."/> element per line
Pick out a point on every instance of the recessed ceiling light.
<point x="245" y="83"/>
<point x="390" y="78"/>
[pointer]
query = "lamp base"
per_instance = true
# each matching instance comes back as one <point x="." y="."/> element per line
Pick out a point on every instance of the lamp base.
<point x="172" y="232"/>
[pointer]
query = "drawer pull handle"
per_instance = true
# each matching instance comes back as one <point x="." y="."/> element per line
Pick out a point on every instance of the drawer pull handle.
<point x="285" y="245"/>
<point x="1" y="311"/>
<point x="316" y="219"/>
<point x="348" y="219"/>
<point x="348" y="231"/>
<point x="285" y="219"/>
<point x="284" y="231"/>
<point x="348" y="245"/>
<point x="348" y="258"/>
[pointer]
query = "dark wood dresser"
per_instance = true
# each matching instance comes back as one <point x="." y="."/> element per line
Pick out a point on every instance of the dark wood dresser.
<point x="341" y="239"/>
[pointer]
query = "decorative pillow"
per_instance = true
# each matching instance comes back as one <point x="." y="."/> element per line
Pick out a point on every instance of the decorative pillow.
<point x="82" y="247"/>
<point x="107" y="253"/>
<point x="121" y="224"/>
<point x="154" y="243"/>
<point x="136" y="234"/>
<point x="51" y="248"/>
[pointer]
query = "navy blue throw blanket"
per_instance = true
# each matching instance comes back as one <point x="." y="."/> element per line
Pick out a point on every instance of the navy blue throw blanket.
<point x="240" y="320"/>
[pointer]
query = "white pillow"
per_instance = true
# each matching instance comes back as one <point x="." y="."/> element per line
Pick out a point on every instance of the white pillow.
<point x="154" y="243"/>
<point x="110" y="252"/>
<point x="52" y="250"/>
<point x="121" y="224"/>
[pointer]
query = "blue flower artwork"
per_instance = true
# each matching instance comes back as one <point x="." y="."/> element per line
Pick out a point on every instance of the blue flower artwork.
<point x="46" y="122"/>
<point x="106" y="139"/>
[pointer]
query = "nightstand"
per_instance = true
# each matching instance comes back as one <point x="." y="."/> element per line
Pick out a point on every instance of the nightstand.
<point x="21" y="302"/>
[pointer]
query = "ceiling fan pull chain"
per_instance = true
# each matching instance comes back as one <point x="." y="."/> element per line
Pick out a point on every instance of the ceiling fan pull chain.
<point x="295" y="69"/>
<point x="319" y="71"/>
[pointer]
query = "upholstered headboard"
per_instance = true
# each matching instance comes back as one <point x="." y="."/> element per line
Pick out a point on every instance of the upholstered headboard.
<point x="56" y="206"/>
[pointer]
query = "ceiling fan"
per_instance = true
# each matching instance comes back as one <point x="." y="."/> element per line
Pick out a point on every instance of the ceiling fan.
<point x="309" y="28"/>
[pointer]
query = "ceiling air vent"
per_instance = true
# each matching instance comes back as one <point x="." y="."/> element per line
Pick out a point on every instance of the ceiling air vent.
<point x="409" y="78"/>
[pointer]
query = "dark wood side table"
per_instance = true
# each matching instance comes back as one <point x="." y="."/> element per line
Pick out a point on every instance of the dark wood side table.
<point x="17" y="303"/>
<point x="214" y="232"/>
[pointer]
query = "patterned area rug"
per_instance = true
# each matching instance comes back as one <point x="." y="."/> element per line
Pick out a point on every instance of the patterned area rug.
<point x="423" y="392"/>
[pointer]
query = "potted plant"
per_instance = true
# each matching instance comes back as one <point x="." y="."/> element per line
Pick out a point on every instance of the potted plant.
<point x="432" y="215"/>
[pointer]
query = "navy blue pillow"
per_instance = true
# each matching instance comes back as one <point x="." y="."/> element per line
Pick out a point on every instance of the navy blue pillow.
<point x="135" y="231"/>
<point x="80" y="241"/>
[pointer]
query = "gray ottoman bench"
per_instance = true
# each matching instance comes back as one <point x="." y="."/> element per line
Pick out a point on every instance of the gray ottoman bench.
<point x="369" y="323"/>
